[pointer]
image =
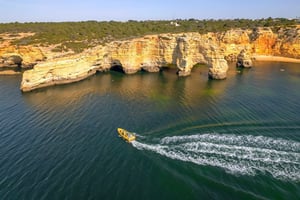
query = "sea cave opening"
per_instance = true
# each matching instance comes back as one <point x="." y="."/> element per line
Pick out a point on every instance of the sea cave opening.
<point x="116" y="65"/>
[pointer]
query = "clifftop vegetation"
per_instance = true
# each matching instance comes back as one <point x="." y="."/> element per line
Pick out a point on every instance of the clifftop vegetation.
<point x="80" y="35"/>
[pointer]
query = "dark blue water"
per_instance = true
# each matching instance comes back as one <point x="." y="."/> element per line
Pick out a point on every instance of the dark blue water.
<point x="197" y="139"/>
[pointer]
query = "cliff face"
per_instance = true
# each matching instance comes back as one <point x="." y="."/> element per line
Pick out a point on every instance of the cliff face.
<point x="57" y="72"/>
<point x="155" y="51"/>
<point x="152" y="52"/>
<point x="261" y="41"/>
<point x="29" y="55"/>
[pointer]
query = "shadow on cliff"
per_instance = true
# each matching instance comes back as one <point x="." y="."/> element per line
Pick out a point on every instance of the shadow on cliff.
<point x="175" y="56"/>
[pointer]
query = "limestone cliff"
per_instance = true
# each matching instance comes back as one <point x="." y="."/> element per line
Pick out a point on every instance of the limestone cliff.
<point x="28" y="56"/>
<point x="152" y="52"/>
<point x="155" y="51"/>
<point x="260" y="41"/>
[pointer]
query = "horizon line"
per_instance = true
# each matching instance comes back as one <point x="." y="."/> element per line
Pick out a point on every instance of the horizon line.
<point x="145" y="20"/>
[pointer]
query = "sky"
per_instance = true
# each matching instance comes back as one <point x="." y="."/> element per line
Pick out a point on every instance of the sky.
<point x="123" y="10"/>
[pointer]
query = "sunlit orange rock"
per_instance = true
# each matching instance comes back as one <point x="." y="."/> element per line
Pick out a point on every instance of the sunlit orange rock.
<point x="152" y="52"/>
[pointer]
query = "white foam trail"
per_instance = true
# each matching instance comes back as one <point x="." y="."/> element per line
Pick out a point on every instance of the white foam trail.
<point x="242" y="154"/>
<point x="139" y="136"/>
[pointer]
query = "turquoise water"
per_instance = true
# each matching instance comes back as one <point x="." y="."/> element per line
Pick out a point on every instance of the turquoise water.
<point x="237" y="138"/>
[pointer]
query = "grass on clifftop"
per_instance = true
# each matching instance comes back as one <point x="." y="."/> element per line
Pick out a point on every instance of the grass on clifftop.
<point x="78" y="36"/>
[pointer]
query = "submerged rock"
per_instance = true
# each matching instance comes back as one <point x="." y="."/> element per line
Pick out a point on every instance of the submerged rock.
<point x="183" y="73"/>
<point x="150" y="67"/>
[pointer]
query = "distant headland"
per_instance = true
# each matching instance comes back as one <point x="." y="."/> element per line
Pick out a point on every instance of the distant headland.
<point x="59" y="53"/>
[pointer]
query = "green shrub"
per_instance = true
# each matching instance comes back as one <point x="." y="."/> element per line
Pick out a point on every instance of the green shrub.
<point x="80" y="35"/>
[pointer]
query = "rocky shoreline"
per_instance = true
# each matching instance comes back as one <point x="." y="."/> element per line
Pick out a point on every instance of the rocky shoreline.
<point x="152" y="53"/>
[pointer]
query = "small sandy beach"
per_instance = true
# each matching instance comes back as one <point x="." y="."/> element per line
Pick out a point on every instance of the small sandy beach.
<point x="275" y="59"/>
<point x="9" y="72"/>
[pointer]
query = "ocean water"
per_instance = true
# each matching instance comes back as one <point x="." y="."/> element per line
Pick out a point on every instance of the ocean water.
<point x="237" y="138"/>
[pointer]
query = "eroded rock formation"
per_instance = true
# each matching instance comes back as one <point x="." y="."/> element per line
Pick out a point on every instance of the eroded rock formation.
<point x="244" y="59"/>
<point x="152" y="52"/>
<point x="10" y="61"/>
<point x="217" y="64"/>
<point x="59" y="71"/>
<point x="20" y="56"/>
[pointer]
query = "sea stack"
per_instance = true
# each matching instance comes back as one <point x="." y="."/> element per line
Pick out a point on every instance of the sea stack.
<point x="244" y="60"/>
<point x="218" y="66"/>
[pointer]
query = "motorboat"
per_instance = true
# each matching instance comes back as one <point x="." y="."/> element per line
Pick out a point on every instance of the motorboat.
<point x="126" y="135"/>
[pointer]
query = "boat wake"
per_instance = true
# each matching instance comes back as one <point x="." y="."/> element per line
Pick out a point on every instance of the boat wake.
<point x="237" y="154"/>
